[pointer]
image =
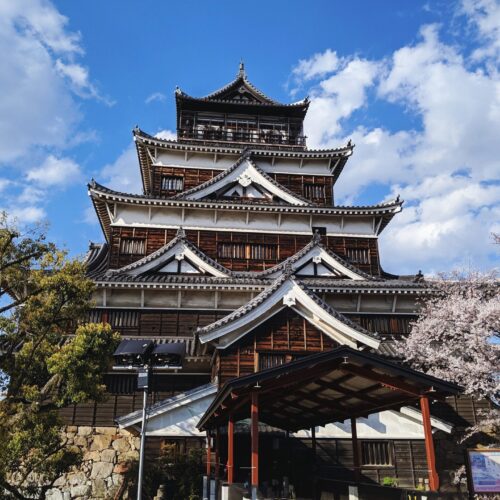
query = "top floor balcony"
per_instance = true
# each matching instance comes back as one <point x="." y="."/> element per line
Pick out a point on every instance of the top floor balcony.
<point x="214" y="133"/>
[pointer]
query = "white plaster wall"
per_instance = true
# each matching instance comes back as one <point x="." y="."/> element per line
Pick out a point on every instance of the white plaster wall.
<point x="180" y="421"/>
<point x="384" y="425"/>
<point x="234" y="220"/>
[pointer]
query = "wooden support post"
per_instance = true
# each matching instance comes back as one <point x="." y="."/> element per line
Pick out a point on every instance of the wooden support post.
<point x="217" y="453"/>
<point x="254" y="415"/>
<point x="429" y="444"/>
<point x="209" y="453"/>
<point x="355" y="450"/>
<point x="315" y="464"/>
<point x="230" y="450"/>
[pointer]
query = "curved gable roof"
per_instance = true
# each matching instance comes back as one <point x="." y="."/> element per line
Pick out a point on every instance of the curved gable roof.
<point x="287" y="291"/>
<point x="244" y="171"/>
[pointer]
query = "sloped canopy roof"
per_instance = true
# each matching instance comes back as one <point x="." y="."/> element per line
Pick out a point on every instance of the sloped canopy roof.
<point x="287" y="291"/>
<point x="327" y="387"/>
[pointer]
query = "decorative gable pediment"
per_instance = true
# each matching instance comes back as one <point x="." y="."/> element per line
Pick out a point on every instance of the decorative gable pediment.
<point x="177" y="257"/>
<point x="287" y="292"/>
<point x="244" y="180"/>
<point x="316" y="261"/>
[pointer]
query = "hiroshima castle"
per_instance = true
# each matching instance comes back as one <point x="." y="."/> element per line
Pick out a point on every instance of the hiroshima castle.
<point x="236" y="254"/>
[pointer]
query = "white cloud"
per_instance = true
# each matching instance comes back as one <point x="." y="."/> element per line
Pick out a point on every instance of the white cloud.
<point x="27" y="215"/>
<point x="166" y="134"/>
<point x="484" y="15"/>
<point x="446" y="165"/>
<point x="156" y="96"/>
<point x="54" y="171"/>
<point x="124" y="173"/>
<point x="318" y="65"/>
<point x="39" y="79"/>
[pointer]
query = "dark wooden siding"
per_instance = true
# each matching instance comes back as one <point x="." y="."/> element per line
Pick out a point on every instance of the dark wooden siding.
<point x="155" y="323"/>
<point x="209" y="242"/>
<point x="298" y="184"/>
<point x="385" y="324"/>
<point x="192" y="177"/>
<point x="286" y="333"/>
<point x="336" y="462"/>
<point x="123" y="398"/>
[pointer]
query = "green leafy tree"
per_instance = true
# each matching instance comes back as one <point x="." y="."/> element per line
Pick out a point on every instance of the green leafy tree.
<point x="48" y="358"/>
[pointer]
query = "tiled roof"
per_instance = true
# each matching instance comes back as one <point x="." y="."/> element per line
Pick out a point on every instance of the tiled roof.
<point x="267" y="293"/>
<point x="240" y="80"/>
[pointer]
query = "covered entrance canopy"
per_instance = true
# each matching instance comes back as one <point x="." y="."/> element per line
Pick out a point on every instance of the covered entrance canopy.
<point x="330" y="386"/>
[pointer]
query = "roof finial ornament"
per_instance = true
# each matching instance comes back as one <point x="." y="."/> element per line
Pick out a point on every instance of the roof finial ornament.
<point x="316" y="236"/>
<point x="241" y="72"/>
<point x="181" y="233"/>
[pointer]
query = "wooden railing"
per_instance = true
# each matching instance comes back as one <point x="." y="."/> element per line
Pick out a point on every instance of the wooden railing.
<point x="241" y="136"/>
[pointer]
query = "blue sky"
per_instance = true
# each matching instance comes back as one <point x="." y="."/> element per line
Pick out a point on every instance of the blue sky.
<point x="414" y="84"/>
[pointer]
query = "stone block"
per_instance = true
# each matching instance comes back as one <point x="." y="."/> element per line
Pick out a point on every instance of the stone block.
<point x="99" y="489"/>
<point x="54" y="494"/>
<point x="72" y="428"/>
<point x="110" y="431"/>
<point x="121" y="468"/>
<point x="60" y="481"/>
<point x="128" y="456"/>
<point x="108" y="456"/>
<point x="80" y="490"/>
<point x="100" y="442"/>
<point x="121" y="445"/>
<point x="101" y="470"/>
<point x="84" y="431"/>
<point x="77" y="478"/>
<point x="92" y="455"/>
<point x="80" y="441"/>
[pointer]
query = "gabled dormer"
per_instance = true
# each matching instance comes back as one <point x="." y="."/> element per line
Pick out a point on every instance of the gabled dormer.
<point x="179" y="256"/>
<point x="244" y="181"/>
<point x="240" y="113"/>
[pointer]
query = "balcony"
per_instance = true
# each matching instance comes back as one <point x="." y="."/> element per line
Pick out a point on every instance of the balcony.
<point x="253" y="136"/>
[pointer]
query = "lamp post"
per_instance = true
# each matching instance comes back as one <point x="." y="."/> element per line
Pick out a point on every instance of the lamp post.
<point x="142" y="356"/>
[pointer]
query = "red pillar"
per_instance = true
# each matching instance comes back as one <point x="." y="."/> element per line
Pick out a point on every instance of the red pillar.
<point x="230" y="450"/>
<point x="209" y="458"/>
<point x="429" y="444"/>
<point x="355" y="450"/>
<point x="254" y="414"/>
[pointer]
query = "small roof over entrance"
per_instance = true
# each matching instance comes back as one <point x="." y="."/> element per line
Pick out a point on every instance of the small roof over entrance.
<point x="321" y="388"/>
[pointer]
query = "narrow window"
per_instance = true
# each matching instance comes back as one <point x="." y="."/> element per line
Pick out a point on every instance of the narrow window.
<point x="358" y="255"/>
<point x="377" y="453"/>
<point x="172" y="183"/>
<point x="314" y="191"/>
<point x="247" y="251"/>
<point x="132" y="246"/>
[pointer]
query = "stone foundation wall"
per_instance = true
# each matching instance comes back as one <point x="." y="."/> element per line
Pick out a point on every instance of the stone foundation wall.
<point x="106" y="454"/>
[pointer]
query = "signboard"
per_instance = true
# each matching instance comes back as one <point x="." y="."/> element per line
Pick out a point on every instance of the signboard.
<point x="484" y="470"/>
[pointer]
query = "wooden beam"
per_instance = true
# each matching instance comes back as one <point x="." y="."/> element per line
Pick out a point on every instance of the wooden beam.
<point x="387" y="380"/>
<point x="254" y="416"/>
<point x="230" y="450"/>
<point x="429" y="444"/>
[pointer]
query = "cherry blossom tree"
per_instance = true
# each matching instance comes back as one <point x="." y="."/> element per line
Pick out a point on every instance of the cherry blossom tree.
<point x="457" y="338"/>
